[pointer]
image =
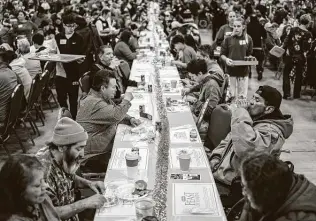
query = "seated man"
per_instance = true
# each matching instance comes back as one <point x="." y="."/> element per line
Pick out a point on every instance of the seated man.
<point x="273" y="192"/>
<point x="100" y="116"/>
<point x="256" y="126"/>
<point x="105" y="58"/>
<point x="185" y="52"/>
<point x="8" y="81"/>
<point x="210" y="88"/>
<point x="61" y="159"/>
<point x="205" y="52"/>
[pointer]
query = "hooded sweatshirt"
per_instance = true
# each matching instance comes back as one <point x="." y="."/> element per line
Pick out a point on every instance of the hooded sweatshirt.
<point x="300" y="204"/>
<point x="210" y="89"/>
<point x="248" y="136"/>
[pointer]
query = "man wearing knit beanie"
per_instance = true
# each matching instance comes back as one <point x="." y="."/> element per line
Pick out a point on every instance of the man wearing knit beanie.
<point x="62" y="158"/>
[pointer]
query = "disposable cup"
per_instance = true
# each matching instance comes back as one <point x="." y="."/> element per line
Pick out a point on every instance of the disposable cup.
<point x="144" y="207"/>
<point x="184" y="160"/>
<point x="132" y="165"/>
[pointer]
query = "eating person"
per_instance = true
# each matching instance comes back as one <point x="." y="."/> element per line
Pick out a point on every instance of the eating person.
<point x="185" y="52"/>
<point x="23" y="191"/>
<point x="61" y="158"/>
<point x="99" y="115"/>
<point x="256" y="126"/>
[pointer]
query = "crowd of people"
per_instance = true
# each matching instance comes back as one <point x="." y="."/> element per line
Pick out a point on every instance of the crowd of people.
<point x="44" y="186"/>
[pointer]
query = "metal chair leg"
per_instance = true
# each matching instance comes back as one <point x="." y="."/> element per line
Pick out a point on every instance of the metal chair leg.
<point x="29" y="134"/>
<point x="38" y="113"/>
<point x="20" y="141"/>
<point x="54" y="98"/>
<point x="34" y="124"/>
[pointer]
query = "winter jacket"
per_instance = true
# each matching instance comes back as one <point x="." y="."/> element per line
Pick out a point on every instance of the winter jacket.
<point x="246" y="136"/>
<point x="100" y="117"/>
<point x="299" y="205"/>
<point x="211" y="89"/>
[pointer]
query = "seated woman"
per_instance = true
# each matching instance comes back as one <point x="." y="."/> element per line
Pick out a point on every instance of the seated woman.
<point x="24" y="49"/>
<point x="273" y="192"/>
<point x="122" y="50"/>
<point x="23" y="191"/>
<point x="18" y="65"/>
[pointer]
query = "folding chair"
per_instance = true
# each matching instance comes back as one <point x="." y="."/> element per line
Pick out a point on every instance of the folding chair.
<point x="33" y="97"/>
<point x="84" y="82"/>
<point x="12" y="118"/>
<point x="47" y="93"/>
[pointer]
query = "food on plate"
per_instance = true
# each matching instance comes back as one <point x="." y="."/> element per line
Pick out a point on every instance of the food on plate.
<point x="140" y="188"/>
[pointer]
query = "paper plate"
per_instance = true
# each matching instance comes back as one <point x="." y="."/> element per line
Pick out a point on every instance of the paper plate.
<point x="125" y="192"/>
<point x="188" y="151"/>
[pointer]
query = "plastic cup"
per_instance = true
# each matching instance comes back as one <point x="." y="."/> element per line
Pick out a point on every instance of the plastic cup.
<point x="184" y="160"/>
<point x="144" y="207"/>
<point x="173" y="83"/>
<point x="132" y="165"/>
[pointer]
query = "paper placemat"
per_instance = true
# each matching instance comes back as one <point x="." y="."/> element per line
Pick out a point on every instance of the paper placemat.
<point x="194" y="199"/>
<point x="197" y="157"/>
<point x="119" y="163"/>
<point x="182" y="135"/>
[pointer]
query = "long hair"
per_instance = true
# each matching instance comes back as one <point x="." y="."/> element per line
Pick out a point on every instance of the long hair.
<point x="15" y="176"/>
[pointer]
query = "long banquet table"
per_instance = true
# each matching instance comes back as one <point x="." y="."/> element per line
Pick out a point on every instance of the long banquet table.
<point x="182" y="195"/>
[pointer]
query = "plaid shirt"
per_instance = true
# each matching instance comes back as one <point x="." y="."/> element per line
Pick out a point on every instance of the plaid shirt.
<point x="61" y="188"/>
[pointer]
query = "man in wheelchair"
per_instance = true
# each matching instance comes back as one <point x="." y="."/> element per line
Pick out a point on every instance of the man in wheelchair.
<point x="274" y="193"/>
<point x="256" y="126"/>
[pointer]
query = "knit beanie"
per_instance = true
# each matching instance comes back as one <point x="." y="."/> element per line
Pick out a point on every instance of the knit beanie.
<point x="68" y="131"/>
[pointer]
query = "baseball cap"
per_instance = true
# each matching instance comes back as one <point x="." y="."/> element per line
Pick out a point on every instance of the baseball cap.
<point x="271" y="95"/>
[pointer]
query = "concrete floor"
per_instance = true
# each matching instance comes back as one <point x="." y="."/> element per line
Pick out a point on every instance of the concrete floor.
<point x="302" y="142"/>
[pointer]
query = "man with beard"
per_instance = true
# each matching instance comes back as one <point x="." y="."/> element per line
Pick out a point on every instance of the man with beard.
<point x="256" y="126"/>
<point x="61" y="159"/>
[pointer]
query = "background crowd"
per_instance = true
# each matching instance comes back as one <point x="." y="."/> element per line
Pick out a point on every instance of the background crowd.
<point x="93" y="99"/>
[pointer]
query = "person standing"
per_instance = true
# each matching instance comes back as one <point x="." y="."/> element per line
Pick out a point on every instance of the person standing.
<point x="297" y="44"/>
<point x="257" y="33"/>
<point x="237" y="47"/>
<point x="68" y="74"/>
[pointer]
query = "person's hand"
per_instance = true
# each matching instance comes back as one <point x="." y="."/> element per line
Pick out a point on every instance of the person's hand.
<point x="141" y="83"/>
<point x="243" y="103"/>
<point x="185" y="91"/>
<point x="214" y="162"/>
<point x="96" y="201"/>
<point x="79" y="61"/>
<point x="175" y="62"/>
<point x="128" y="96"/>
<point x="135" y="122"/>
<point x="185" y="81"/>
<point x="229" y="62"/>
<point x="97" y="186"/>
<point x="190" y="99"/>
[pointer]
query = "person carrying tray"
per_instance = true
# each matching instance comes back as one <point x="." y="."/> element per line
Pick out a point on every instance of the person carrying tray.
<point x="237" y="47"/>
